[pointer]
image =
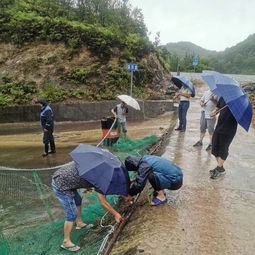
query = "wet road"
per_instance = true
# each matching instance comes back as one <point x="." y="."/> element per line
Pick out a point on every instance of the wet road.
<point x="205" y="216"/>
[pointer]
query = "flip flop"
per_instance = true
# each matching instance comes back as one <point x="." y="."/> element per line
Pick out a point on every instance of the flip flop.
<point x="72" y="248"/>
<point x="85" y="226"/>
<point x="157" y="201"/>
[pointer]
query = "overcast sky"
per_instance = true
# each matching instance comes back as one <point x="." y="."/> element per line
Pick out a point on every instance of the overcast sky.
<point x="211" y="24"/>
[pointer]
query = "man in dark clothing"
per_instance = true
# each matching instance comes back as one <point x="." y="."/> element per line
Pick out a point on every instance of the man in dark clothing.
<point x="161" y="173"/>
<point x="47" y="123"/>
<point x="65" y="183"/>
<point x="222" y="137"/>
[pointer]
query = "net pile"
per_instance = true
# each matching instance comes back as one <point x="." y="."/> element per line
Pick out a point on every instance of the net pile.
<point x="31" y="218"/>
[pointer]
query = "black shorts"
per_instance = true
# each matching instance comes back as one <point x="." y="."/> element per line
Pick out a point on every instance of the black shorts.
<point x="220" y="145"/>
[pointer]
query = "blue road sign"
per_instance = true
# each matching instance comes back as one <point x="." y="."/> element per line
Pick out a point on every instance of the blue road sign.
<point x="195" y="61"/>
<point x="132" y="67"/>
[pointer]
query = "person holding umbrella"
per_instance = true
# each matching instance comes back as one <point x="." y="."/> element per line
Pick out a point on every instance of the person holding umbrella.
<point x="120" y="112"/>
<point x="223" y="135"/>
<point x="92" y="167"/>
<point x="161" y="173"/>
<point x="186" y="90"/>
<point x="234" y="107"/>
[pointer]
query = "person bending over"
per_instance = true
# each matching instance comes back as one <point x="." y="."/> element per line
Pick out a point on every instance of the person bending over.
<point x="65" y="183"/>
<point x="161" y="173"/>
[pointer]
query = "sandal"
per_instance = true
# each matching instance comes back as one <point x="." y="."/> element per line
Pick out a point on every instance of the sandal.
<point x="157" y="201"/>
<point x="85" y="226"/>
<point x="72" y="248"/>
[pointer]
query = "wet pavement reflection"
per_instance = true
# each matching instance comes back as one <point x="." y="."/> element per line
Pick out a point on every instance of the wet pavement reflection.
<point x="205" y="216"/>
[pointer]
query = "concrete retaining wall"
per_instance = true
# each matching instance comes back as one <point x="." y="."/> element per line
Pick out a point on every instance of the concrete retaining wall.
<point x="84" y="111"/>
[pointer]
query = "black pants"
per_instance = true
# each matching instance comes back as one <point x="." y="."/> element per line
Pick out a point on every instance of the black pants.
<point x="48" y="138"/>
<point x="220" y="144"/>
<point x="153" y="179"/>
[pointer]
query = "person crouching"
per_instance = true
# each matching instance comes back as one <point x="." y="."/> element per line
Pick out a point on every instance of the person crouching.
<point x="161" y="173"/>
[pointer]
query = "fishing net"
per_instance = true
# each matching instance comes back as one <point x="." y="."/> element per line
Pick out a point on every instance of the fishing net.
<point x="31" y="218"/>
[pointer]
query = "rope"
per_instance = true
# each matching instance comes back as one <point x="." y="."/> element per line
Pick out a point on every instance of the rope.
<point x="110" y="231"/>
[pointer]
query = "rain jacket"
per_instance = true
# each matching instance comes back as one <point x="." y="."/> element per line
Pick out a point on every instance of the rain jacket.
<point x="46" y="115"/>
<point x="166" y="172"/>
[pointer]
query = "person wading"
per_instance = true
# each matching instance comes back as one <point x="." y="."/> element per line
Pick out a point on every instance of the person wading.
<point x="47" y="124"/>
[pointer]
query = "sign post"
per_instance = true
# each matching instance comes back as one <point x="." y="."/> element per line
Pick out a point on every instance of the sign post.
<point x="132" y="68"/>
<point x="195" y="62"/>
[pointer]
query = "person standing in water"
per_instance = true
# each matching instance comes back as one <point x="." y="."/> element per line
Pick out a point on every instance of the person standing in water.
<point x="47" y="124"/>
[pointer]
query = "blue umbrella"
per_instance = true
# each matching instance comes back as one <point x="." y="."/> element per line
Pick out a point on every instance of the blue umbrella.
<point x="102" y="169"/>
<point x="181" y="80"/>
<point x="234" y="96"/>
<point x="210" y="78"/>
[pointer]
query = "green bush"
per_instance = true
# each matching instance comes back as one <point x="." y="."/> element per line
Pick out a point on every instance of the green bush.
<point x="78" y="75"/>
<point x="21" y="28"/>
<point x="16" y="92"/>
<point x="53" y="93"/>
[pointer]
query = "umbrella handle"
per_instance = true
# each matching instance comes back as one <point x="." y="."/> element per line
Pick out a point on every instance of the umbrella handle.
<point x="221" y="108"/>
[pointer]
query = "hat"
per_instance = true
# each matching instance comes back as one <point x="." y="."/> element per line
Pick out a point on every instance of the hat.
<point x="41" y="101"/>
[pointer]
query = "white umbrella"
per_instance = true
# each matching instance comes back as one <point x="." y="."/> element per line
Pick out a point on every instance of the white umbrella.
<point x="129" y="101"/>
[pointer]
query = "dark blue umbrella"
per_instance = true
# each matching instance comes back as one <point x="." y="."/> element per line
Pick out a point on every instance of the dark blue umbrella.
<point x="102" y="169"/>
<point x="179" y="81"/>
<point x="234" y="96"/>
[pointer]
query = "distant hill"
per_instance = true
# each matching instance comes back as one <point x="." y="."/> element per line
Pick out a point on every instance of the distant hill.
<point x="238" y="59"/>
<point x="183" y="48"/>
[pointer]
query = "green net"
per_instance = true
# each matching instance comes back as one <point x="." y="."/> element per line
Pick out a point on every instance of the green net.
<point x="31" y="219"/>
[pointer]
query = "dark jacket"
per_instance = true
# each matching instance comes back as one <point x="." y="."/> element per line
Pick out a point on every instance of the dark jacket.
<point x="46" y="115"/>
<point x="166" y="172"/>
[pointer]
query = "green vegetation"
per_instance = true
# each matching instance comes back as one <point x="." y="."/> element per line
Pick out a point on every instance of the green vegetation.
<point x="107" y="29"/>
<point x="237" y="59"/>
<point x="16" y="91"/>
<point x="101" y="25"/>
<point x="53" y="93"/>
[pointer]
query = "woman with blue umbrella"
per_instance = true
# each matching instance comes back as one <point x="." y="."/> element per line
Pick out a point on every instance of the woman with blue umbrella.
<point x="93" y="167"/>
<point x="234" y="107"/>
<point x="186" y="90"/>
<point x="223" y="135"/>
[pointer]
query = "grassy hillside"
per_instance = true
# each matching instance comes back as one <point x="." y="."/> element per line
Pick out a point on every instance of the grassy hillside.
<point x="65" y="50"/>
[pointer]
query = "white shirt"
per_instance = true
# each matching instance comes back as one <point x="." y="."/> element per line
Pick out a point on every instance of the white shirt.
<point x="210" y="105"/>
<point x="184" y="90"/>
